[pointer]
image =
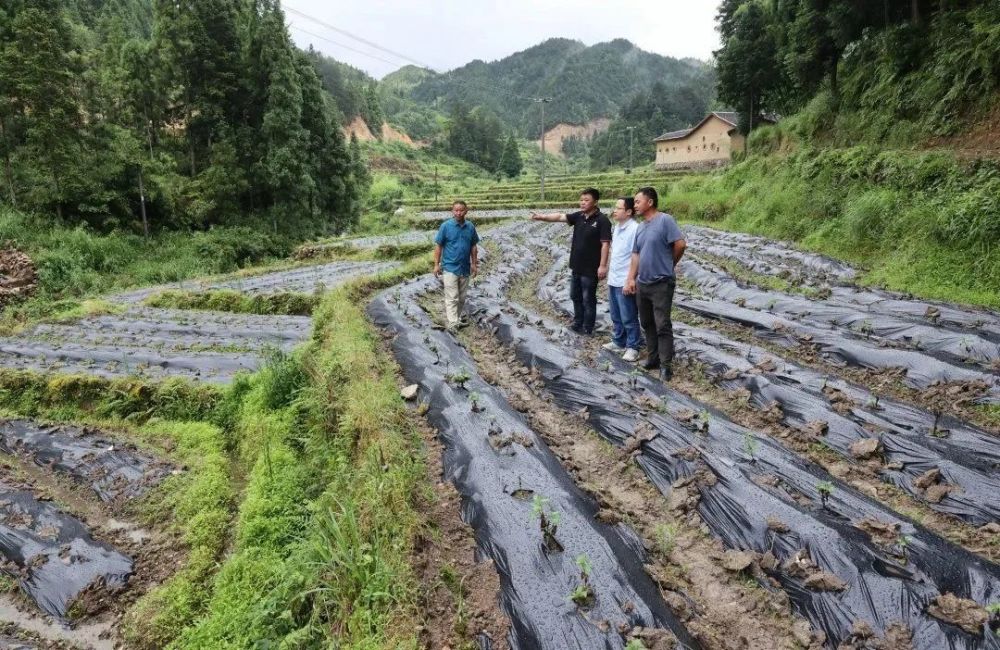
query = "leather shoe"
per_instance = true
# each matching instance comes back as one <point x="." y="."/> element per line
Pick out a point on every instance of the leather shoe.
<point x="666" y="374"/>
<point x="651" y="364"/>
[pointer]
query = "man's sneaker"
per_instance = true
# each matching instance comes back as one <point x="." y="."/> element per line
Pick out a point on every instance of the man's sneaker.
<point x="666" y="374"/>
<point x="611" y="346"/>
<point x="631" y="355"/>
<point x="577" y="328"/>
<point x="652" y="363"/>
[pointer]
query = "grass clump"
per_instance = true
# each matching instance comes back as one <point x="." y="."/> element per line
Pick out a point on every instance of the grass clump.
<point x="67" y="396"/>
<point x="292" y="304"/>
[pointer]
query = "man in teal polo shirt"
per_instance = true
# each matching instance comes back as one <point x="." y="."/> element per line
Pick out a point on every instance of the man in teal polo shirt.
<point x="456" y="253"/>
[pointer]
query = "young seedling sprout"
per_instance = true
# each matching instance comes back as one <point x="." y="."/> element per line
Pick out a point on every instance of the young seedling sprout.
<point x="873" y="402"/>
<point x="636" y="644"/>
<point x="548" y="522"/>
<point x="750" y="444"/>
<point x="825" y="489"/>
<point x="634" y="375"/>
<point x="583" y="594"/>
<point x="704" y="418"/>
<point x="474" y="399"/>
<point x="867" y="328"/>
<point x="460" y="377"/>
<point x="903" y="544"/>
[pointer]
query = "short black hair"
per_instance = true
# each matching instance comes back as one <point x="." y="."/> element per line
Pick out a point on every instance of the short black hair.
<point x="650" y="193"/>
<point x="592" y="192"/>
<point x="460" y="202"/>
<point x="629" y="203"/>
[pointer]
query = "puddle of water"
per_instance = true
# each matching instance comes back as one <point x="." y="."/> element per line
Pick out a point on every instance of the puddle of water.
<point x="85" y="636"/>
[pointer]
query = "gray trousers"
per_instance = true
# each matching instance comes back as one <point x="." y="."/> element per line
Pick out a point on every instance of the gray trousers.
<point x="655" y="302"/>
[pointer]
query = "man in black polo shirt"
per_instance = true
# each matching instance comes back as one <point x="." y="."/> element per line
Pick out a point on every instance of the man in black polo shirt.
<point x="588" y="256"/>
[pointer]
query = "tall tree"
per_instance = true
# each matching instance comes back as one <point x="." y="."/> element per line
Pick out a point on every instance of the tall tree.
<point x="749" y="72"/>
<point x="511" y="159"/>
<point x="41" y="72"/>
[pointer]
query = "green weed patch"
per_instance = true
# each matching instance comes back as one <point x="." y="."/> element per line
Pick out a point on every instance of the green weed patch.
<point x="293" y="304"/>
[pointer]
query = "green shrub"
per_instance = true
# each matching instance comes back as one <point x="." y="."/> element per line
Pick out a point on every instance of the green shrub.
<point x="386" y="194"/>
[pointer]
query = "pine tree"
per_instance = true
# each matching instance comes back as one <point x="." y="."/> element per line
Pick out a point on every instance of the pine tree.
<point x="512" y="163"/>
<point x="40" y="71"/>
<point x="284" y="142"/>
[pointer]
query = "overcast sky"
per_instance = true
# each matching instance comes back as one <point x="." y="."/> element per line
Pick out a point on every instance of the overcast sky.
<point x="446" y="34"/>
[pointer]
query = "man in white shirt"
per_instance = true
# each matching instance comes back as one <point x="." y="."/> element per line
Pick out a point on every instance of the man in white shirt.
<point x="626" y="334"/>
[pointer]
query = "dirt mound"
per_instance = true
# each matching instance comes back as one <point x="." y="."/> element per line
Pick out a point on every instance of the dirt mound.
<point x="388" y="133"/>
<point x="18" y="278"/>
<point x="391" y="134"/>
<point x="554" y="137"/>
<point x="359" y="129"/>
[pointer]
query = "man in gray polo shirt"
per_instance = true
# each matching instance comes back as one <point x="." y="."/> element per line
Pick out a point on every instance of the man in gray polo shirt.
<point x="659" y="246"/>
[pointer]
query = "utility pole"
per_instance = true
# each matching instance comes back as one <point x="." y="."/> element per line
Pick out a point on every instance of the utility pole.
<point x="631" y="133"/>
<point x="435" y="184"/>
<point x="543" y="101"/>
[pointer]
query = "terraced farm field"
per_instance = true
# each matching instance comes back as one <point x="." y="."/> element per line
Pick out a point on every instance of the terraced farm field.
<point x="559" y="190"/>
<point x="821" y="473"/>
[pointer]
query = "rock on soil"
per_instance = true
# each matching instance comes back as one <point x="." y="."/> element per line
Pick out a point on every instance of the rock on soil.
<point x="410" y="392"/>
<point x="865" y="448"/>
<point x="967" y="614"/>
<point x="737" y="561"/>
<point x="824" y="581"/>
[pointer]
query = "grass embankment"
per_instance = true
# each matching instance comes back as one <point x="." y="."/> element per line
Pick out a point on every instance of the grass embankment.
<point x="325" y="531"/>
<point x="920" y="222"/>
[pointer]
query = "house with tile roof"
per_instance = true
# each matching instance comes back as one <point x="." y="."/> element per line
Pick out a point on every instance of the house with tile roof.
<point x="708" y="144"/>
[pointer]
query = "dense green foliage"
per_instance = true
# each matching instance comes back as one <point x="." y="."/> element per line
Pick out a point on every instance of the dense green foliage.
<point x="478" y="137"/>
<point x="164" y="114"/>
<point x="353" y="91"/>
<point x="584" y="82"/>
<point x="897" y="69"/>
<point x="647" y="115"/>
<point x="420" y="121"/>
<point x="922" y="222"/>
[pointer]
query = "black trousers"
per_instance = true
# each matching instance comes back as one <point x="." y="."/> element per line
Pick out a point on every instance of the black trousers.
<point x="583" y="292"/>
<point x="655" y="302"/>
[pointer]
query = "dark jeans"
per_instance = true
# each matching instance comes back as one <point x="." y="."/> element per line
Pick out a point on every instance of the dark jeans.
<point x="583" y="292"/>
<point x="655" y="301"/>
<point x="624" y="318"/>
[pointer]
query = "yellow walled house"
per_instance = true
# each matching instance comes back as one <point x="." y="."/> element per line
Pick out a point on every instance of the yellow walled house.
<point x="710" y="143"/>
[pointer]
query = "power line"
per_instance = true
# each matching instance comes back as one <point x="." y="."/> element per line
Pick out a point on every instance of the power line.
<point x="346" y="47"/>
<point x="348" y="34"/>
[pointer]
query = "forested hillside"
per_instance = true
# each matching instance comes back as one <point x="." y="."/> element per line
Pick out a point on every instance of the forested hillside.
<point x="886" y="154"/>
<point x="583" y="82"/>
<point x="152" y="114"/>
<point x="896" y="70"/>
